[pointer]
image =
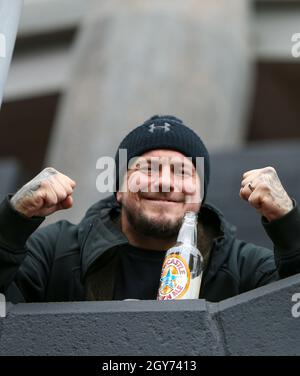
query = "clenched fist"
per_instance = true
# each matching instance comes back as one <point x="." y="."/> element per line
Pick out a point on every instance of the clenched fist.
<point x="264" y="191"/>
<point x="48" y="192"/>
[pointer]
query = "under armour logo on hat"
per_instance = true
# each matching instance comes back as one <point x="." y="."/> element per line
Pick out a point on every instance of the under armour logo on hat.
<point x="165" y="127"/>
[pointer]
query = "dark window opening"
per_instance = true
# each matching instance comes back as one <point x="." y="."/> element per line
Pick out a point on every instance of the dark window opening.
<point x="25" y="131"/>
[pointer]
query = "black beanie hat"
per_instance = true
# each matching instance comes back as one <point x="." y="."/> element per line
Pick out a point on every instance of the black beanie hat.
<point x="164" y="132"/>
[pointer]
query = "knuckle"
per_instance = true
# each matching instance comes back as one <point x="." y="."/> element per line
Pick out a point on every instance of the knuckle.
<point x="252" y="199"/>
<point x="63" y="196"/>
<point x="255" y="202"/>
<point x="53" y="200"/>
<point x="270" y="170"/>
<point x="71" y="183"/>
<point x="264" y="200"/>
<point x="38" y="194"/>
<point x="243" y="194"/>
<point x="65" y="186"/>
<point x="50" y="170"/>
<point x="45" y="184"/>
<point x="59" y="191"/>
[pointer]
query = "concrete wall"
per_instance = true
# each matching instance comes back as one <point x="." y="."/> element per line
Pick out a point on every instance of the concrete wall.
<point x="10" y="12"/>
<point x="135" y="59"/>
<point x="271" y="26"/>
<point x="259" y="322"/>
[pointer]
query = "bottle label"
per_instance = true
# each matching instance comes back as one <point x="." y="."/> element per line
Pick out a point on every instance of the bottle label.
<point x="175" y="278"/>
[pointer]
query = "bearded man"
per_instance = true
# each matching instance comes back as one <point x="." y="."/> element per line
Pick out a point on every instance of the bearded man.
<point x="116" y="252"/>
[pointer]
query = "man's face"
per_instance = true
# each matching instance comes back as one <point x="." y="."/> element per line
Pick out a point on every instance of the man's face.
<point x="159" y="188"/>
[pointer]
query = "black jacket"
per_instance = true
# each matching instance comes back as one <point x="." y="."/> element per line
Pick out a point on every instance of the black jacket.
<point x="54" y="262"/>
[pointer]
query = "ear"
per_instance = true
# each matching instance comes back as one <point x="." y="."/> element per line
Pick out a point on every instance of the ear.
<point x="119" y="197"/>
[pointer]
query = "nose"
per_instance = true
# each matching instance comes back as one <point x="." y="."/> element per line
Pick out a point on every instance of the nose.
<point x="163" y="182"/>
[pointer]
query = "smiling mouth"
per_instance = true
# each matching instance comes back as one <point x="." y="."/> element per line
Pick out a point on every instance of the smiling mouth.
<point x="162" y="200"/>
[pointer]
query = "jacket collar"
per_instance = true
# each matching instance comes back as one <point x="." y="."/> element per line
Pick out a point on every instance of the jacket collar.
<point x="98" y="234"/>
<point x="221" y="244"/>
<point x="100" y="237"/>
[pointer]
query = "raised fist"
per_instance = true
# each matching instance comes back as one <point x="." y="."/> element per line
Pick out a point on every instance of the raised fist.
<point x="264" y="191"/>
<point x="45" y="194"/>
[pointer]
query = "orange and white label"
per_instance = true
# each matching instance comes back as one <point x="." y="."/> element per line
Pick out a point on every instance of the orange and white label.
<point x="175" y="278"/>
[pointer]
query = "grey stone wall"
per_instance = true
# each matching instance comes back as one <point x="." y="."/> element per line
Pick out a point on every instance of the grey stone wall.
<point x="259" y="322"/>
<point x="137" y="58"/>
<point x="10" y="12"/>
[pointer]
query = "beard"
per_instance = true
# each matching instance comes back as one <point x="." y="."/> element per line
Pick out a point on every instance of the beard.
<point x="151" y="227"/>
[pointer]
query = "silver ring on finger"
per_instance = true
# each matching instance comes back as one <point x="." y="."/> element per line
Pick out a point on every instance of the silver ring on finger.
<point x="251" y="186"/>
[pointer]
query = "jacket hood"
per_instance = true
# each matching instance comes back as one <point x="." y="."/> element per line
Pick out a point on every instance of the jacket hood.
<point x="100" y="237"/>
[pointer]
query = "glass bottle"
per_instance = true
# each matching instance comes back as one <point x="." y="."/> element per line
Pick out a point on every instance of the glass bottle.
<point x="183" y="265"/>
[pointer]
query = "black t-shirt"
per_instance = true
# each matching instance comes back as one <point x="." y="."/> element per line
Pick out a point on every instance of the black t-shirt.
<point x="138" y="273"/>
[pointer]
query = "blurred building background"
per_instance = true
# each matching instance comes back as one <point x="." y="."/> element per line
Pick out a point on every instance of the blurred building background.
<point x="85" y="72"/>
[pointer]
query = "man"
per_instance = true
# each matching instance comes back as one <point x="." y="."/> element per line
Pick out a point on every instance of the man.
<point x="117" y="250"/>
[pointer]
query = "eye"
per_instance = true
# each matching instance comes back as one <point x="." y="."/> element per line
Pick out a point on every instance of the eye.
<point x="179" y="172"/>
<point x="188" y="172"/>
<point x="155" y="167"/>
<point x="146" y="169"/>
<point x="183" y="171"/>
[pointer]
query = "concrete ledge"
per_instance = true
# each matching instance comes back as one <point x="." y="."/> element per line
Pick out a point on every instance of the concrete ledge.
<point x="110" y="328"/>
<point x="258" y="322"/>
